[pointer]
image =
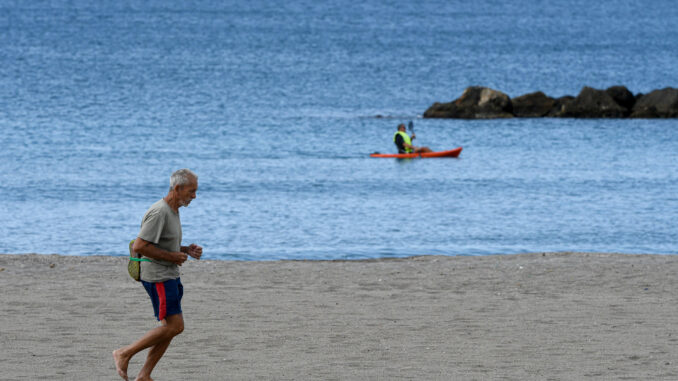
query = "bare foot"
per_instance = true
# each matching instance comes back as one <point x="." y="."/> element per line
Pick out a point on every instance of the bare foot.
<point x="121" y="364"/>
<point x="143" y="379"/>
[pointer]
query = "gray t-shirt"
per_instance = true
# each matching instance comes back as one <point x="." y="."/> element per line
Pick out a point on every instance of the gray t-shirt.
<point x="160" y="226"/>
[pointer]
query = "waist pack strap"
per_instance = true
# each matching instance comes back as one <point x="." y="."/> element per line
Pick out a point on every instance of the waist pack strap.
<point x="139" y="259"/>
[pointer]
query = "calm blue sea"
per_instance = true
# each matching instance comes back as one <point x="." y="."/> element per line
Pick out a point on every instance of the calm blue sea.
<point x="273" y="105"/>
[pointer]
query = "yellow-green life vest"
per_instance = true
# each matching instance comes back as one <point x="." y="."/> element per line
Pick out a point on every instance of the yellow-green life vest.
<point x="406" y="140"/>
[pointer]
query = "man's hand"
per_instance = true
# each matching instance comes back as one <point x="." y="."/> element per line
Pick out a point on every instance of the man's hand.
<point x="179" y="258"/>
<point x="413" y="136"/>
<point x="194" y="251"/>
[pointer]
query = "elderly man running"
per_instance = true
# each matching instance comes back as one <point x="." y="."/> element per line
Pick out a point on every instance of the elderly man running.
<point x="159" y="241"/>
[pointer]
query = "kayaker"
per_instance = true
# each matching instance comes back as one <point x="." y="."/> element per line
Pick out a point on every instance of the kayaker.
<point x="404" y="142"/>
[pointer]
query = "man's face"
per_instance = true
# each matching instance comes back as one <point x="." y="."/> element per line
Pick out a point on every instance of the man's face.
<point x="187" y="192"/>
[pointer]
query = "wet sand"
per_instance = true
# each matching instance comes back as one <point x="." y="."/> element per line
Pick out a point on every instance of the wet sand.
<point x="543" y="316"/>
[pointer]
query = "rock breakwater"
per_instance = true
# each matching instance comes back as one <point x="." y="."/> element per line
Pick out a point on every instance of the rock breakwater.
<point x="615" y="102"/>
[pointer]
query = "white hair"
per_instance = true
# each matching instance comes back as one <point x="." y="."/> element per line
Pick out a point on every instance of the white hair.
<point x="182" y="177"/>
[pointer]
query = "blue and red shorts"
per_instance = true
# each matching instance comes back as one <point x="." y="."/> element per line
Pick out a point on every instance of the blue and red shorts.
<point x="165" y="296"/>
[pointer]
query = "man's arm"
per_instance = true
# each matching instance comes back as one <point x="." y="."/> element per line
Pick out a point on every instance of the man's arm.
<point x="148" y="249"/>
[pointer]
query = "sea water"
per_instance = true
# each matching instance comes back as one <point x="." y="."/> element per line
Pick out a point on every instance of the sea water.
<point x="275" y="105"/>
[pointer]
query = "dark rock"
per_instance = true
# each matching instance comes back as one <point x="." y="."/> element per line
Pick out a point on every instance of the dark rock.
<point x="648" y="112"/>
<point x="657" y="104"/>
<point x="441" y="110"/>
<point x="615" y="102"/>
<point x="559" y="106"/>
<point x="533" y="105"/>
<point x="622" y="96"/>
<point x="475" y="103"/>
<point x="593" y="103"/>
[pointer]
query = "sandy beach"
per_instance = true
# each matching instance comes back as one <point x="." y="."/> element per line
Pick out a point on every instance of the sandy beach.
<point x="542" y="316"/>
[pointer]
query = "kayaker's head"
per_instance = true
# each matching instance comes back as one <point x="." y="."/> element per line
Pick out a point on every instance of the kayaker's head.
<point x="401" y="127"/>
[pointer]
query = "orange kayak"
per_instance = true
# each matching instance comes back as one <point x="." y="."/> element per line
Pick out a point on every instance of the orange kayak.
<point x="451" y="153"/>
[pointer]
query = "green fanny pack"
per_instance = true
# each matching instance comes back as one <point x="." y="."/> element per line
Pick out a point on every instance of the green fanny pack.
<point x="134" y="265"/>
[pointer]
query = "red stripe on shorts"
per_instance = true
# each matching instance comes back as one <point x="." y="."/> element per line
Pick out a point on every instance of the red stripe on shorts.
<point x="162" y="300"/>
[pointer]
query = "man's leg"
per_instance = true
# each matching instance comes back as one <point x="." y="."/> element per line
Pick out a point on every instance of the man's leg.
<point x="172" y="326"/>
<point x="176" y="324"/>
<point x="422" y="150"/>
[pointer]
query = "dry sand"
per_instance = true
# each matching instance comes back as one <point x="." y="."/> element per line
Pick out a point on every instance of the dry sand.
<point x="552" y="316"/>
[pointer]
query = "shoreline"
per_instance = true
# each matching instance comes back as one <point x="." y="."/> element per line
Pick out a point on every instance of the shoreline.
<point x="358" y="259"/>
<point x="511" y="316"/>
